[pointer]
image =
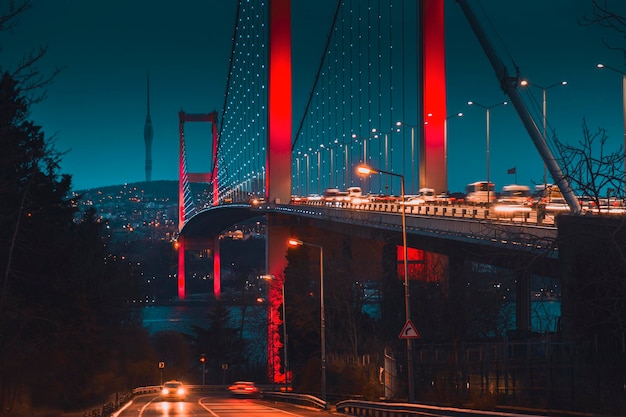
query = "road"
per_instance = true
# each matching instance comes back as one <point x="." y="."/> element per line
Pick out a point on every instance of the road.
<point x="215" y="405"/>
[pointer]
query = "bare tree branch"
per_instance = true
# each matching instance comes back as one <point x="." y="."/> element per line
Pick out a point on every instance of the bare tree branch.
<point x="10" y="12"/>
<point x="602" y="15"/>
<point x="32" y="81"/>
<point x="590" y="169"/>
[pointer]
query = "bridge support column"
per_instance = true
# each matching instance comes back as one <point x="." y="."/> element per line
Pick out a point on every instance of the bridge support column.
<point x="184" y="244"/>
<point x="278" y="164"/>
<point x="275" y="257"/>
<point x="433" y="152"/>
<point x="181" y="268"/>
<point x="522" y="303"/>
<point x="216" y="268"/>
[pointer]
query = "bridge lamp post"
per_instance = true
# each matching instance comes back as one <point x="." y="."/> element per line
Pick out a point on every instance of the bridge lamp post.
<point x="388" y="149"/>
<point x="319" y="168"/>
<point x="544" y="107"/>
<point x="365" y="170"/>
<point x="296" y="243"/>
<point x="345" y="167"/>
<point x="412" y="153"/>
<point x="356" y="139"/>
<point x="299" y="192"/>
<point x="306" y="176"/>
<point x="488" y="111"/>
<point x="445" y="135"/>
<point x="269" y="277"/>
<point x="602" y="66"/>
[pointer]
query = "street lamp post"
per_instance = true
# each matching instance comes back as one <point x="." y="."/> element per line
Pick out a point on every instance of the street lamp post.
<point x="319" y="171"/>
<point x="296" y="242"/>
<point x="488" y="111"/>
<point x="459" y="114"/>
<point x="345" y="166"/>
<point x="445" y="135"/>
<point x="365" y="170"/>
<point x="398" y="125"/>
<point x="601" y="66"/>
<point x="270" y="277"/>
<point x="306" y="187"/>
<point x="412" y="153"/>
<point x="388" y="150"/>
<point x="544" y="114"/>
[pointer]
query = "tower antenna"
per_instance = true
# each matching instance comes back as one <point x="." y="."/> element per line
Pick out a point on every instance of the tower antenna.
<point x="148" y="133"/>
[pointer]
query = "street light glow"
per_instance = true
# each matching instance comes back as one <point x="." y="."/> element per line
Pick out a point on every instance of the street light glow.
<point x="487" y="111"/>
<point x="365" y="170"/>
<point x="524" y="83"/>
<point x="296" y="242"/>
<point x="623" y="74"/>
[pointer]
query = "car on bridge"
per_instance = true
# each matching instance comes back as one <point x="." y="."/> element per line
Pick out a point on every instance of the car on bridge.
<point x="427" y="194"/>
<point x="515" y="194"/>
<point x="414" y="200"/>
<point x="445" y="198"/>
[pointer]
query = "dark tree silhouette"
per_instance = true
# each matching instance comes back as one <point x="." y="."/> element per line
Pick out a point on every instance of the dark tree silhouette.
<point x="591" y="169"/>
<point x="605" y="16"/>
<point x="63" y="295"/>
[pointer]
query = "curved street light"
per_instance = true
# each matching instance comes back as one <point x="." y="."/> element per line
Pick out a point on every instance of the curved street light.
<point x="524" y="83"/>
<point x="602" y="66"/>
<point x="488" y="111"/>
<point x="296" y="243"/>
<point x="365" y="170"/>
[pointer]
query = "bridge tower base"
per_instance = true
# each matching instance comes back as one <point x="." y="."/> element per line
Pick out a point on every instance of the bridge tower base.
<point x="278" y="234"/>
<point x="184" y="244"/>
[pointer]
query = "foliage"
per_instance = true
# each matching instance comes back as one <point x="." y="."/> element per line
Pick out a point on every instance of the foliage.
<point x="64" y="297"/>
<point x="221" y="345"/>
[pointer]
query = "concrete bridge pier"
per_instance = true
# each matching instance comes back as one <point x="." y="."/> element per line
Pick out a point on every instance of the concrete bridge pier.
<point x="522" y="303"/>
<point x="279" y="230"/>
<point x="184" y="244"/>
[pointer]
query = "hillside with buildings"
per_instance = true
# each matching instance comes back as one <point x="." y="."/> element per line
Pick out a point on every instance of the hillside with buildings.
<point x="141" y="224"/>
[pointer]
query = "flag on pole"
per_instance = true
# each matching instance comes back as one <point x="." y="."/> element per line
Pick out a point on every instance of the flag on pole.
<point x="511" y="171"/>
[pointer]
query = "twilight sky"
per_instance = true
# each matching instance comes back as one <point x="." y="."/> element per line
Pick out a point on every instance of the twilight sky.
<point x="96" y="107"/>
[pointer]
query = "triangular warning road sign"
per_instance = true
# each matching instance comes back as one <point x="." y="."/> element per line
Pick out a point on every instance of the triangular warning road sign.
<point x="409" y="331"/>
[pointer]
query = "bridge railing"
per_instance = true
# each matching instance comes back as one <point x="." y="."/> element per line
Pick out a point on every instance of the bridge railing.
<point x="294" y="398"/>
<point x="479" y="212"/>
<point x="514" y="235"/>
<point x="383" y="409"/>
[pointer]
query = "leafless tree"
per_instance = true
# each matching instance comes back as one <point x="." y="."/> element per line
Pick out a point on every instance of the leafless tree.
<point x="604" y="15"/>
<point x="33" y="82"/>
<point x="591" y="169"/>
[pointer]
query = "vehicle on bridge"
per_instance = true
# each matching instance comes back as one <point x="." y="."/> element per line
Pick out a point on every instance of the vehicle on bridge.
<point x="382" y="198"/>
<point x="354" y="192"/>
<point x="445" y="198"/>
<point x="515" y="200"/>
<point x="427" y="194"/>
<point x="515" y="194"/>
<point x="550" y="197"/>
<point x="480" y="192"/>
<point x="413" y="200"/>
